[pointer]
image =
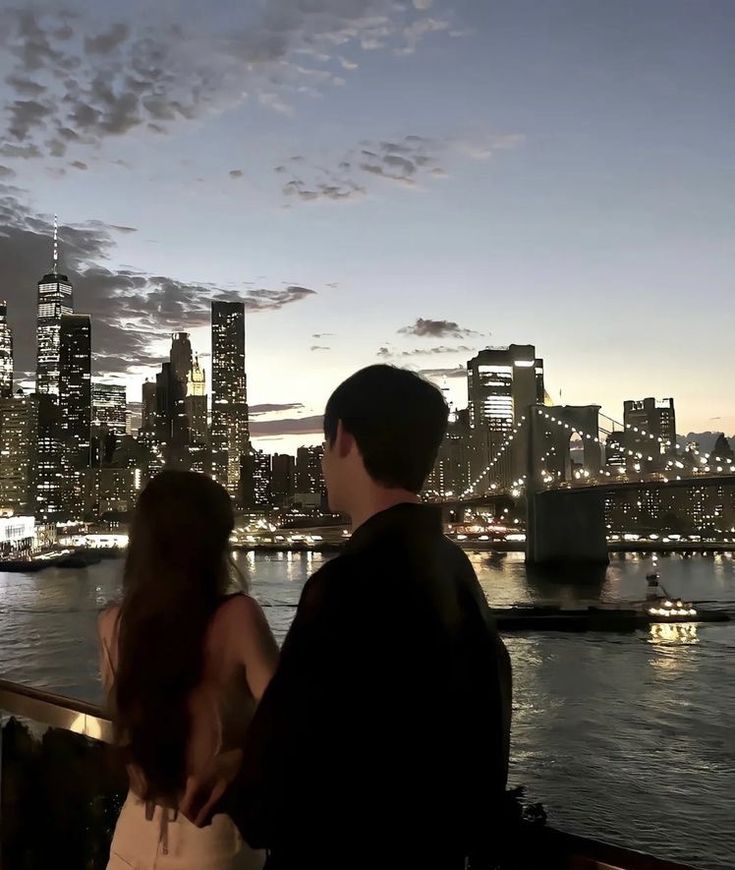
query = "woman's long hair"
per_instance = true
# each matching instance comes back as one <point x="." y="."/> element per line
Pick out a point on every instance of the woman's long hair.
<point x="176" y="573"/>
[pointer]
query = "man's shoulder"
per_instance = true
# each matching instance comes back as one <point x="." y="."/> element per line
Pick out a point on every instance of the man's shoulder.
<point x="329" y="579"/>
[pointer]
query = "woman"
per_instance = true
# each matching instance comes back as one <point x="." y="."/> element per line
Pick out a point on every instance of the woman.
<point x="184" y="664"/>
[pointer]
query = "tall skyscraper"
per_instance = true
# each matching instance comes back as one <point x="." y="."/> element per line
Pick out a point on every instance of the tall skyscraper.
<point x="230" y="432"/>
<point x="55" y="300"/>
<point x="165" y="404"/>
<point x="6" y="354"/>
<point x="109" y="408"/>
<point x="644" y="418"/>
<point x="75" y="406"/>
<point x="180" y="355"/>
<point x="195" y="404"/>
<point x="18" y="436"/>
<point x="502" y="383"/>
<point x="148" y="411"/>
<point x="181" y="360"/>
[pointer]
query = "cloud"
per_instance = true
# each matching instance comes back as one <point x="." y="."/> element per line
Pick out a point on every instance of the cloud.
<point x="334" y="189"/>
<point x="107" y="41"/>
<point x="236" y="173"/>
<point x="319" y="347"/>
<point x="103" y="80"/>
<point x="390" y="353"/>
<point x="427" y="328"/>
<point x="440" y="374"/>
<point x="413" y="162"/>
<point x="131" y="310"/>
<point x="485" y="146"/>
<point x="288" y="426"/>
<point x="269" y="408"/>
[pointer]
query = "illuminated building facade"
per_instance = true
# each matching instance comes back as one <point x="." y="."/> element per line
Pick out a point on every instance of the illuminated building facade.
<point x="255" y="480"/>
<point x="75" y="407"/>
<point x="6" y="354"/>
<point x="230" y="437"/>
<point x="109" y="408"/>
<point x="18" y="437"/>
<point x="195" y="404"/>
<point x="502" y="383"/>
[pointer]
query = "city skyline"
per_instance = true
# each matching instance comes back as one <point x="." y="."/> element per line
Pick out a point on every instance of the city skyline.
<point x="531" y="176"/>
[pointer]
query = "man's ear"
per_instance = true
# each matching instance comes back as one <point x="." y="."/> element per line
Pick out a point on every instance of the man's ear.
<point x="345" y="442"/>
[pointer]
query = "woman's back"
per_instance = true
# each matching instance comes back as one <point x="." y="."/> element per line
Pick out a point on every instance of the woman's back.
<point x="184" y="665"/>
<point x="239" y="657"/>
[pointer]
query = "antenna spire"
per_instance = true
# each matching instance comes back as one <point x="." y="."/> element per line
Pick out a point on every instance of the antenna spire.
<point x="56" y="245"/>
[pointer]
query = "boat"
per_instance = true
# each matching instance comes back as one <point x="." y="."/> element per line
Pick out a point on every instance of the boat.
<point x="658" y="608"/>
<point x="614" y="619"/>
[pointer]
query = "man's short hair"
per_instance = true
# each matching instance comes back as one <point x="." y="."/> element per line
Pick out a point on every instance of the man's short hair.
<point x="397" y="419"/>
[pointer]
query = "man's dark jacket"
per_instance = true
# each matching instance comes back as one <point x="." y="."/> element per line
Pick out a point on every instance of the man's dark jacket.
<point x="382" y="740"/>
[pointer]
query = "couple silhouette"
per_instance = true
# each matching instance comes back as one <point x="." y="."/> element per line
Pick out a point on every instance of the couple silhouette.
<point x="378" y="737"/>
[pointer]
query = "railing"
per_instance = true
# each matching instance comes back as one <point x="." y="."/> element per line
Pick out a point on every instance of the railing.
<point x="81" y="839"/>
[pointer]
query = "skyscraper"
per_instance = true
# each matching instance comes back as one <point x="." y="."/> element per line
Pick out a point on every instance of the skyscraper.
<point x="6" y="354"/>
<point x="502" y="383"/>
<point x="309" y="477"/>
<point x="283" y="478"/>
<point x="230" y="434"/>
<point x="148" y="411"/>
<point x="18" y="435"/>
<point x="181" y="360"/>
<point x="75" y="406"/>
<point x="195" y="404"/>
<point x="109" y="421"/>
<point x="109" y="407"/>
<point x="650" y="429"/>
<point x="451" y="473"/>
<point x="255" y="480"/>
<point x="55" y="300"/>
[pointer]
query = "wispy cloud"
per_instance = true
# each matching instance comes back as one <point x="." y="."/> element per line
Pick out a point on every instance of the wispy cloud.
<point x="387" y="352"/>
<point x="458" y="372"/>
<point x="287" y="426"/>
<point x="427" y="328"/>
<point x="411" y="162"/>
<point x="75" y="81"/>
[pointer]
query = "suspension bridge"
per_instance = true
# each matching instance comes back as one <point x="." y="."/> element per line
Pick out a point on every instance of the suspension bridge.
<point x="554" y="457"/>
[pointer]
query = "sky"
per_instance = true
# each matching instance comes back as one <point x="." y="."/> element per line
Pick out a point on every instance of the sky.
<point x="404" y="182"/>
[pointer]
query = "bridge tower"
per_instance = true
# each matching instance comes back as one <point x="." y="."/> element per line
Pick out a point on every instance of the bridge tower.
<point x="563" y="525"/>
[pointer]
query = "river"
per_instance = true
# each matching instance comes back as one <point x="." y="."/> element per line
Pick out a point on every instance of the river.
<point x="629" y="738"/>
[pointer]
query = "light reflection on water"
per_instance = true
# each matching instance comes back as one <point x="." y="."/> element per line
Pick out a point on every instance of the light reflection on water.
<point x="625" y="737"/>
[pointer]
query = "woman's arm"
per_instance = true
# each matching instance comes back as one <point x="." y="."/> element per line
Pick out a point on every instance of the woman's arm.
<point x="107" y="641"/>
<point x="254" y="643"/>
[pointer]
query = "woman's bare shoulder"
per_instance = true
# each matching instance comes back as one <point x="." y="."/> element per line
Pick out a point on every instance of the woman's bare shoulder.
<point x="237" y="610"/>
<point x="107" y="620"/>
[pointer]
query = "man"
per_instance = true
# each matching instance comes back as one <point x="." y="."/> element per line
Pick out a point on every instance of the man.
<point x="382" y="740"/>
